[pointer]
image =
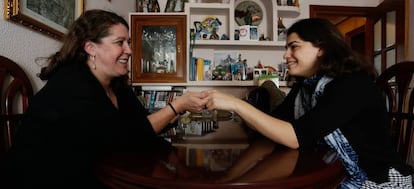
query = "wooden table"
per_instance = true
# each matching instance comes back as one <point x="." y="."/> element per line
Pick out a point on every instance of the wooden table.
<point x="217" y="164"/>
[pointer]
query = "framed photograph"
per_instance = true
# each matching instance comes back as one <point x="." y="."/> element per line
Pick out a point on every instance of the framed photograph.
<point x="147" y="6"/>
<point x="52" y="17"/>
<point x="223" y="61"/>
<point x="175" y="6"/>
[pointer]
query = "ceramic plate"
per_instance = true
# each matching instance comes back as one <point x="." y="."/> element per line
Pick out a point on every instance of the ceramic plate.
<point x="248" y="13"/>
<point x="210" y="23"/>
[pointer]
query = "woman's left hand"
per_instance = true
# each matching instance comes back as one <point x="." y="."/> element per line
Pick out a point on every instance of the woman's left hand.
<point x="221" y="101"/>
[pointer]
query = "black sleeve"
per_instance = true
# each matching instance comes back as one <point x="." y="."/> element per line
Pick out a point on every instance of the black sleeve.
<point x="343" y="101"/>
<point x="134" y="115"/>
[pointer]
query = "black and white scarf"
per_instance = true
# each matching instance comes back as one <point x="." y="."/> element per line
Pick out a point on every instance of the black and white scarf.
<point x="306" y="99"/>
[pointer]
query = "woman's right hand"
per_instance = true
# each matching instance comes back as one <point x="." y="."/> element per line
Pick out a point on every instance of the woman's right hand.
<point x="222" y="101"/>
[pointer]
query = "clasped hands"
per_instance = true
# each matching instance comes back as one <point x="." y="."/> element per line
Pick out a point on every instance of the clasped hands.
<point x="208" y="100"/>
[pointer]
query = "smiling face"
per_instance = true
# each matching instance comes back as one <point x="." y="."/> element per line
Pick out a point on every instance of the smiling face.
<point x="111" y="55"/>
<point x="301" y="56"/>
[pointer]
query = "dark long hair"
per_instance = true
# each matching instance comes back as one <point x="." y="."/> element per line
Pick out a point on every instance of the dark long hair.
<point x="338" y="58"/>
<point x="92" y="25"/>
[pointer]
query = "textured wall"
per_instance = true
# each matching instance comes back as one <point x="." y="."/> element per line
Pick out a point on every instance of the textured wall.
<point x="24" y="46"/>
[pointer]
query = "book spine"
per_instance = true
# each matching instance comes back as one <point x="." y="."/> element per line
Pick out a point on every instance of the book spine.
<point x="152" y="100"/>
<point x="193" y="63"/>
<point x="200" y="69"/>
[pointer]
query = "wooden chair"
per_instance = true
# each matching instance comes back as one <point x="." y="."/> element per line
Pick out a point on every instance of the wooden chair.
<point x="15" y="93"/>
<point x="266" y="97"/>
<point x="397" y="85"/>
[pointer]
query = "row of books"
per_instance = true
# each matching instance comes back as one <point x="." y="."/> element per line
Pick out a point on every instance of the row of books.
<point x="154" y="100"/>
<point x="200" y="69"/>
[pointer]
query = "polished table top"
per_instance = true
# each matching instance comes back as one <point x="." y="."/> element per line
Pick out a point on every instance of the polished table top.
<point x="200" y="163"/>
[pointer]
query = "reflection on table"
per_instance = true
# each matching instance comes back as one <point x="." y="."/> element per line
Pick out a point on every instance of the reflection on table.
<point x="216" y="161"/>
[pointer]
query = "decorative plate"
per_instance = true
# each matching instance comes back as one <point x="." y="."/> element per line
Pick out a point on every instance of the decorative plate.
<point x="210" y="23"/>
<point x="248" y="13"/>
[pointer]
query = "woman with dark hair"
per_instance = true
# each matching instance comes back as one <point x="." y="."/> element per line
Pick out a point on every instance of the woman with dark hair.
<point x="334" y="103"/>
<point x="86" y="109"/>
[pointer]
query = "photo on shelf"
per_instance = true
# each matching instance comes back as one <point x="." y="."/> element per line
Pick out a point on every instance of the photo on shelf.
<point x="147" y="6"/>
<point x="222" y="64"/>
<point x="248" y="32"/>
<point x="175" y="5"/>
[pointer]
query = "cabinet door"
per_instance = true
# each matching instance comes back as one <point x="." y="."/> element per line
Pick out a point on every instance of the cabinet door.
<point x="158" y="48"/>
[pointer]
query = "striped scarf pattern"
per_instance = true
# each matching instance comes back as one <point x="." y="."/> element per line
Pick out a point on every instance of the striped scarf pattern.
<point x="305" y="100"/>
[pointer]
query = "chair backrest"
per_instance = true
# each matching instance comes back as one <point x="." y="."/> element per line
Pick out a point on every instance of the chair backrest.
<point x="397" y="84"/>
<point x="15" y="93"/>
<point x="266" y="97"/>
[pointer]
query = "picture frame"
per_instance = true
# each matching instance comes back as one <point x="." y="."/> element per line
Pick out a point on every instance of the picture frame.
<point x="175" y="5"/>
<point x="223" y="61"/>
<point x="147" y="6"/>
<point x="53" y="18"/>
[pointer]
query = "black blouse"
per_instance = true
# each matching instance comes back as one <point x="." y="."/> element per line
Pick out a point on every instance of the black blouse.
<point x="355" y="105"/>
<point x="70" y="122"/>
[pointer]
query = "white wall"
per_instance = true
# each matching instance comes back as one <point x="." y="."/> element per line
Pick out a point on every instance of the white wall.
<point x="122" y="7"/>
<point x="23" y="45"/>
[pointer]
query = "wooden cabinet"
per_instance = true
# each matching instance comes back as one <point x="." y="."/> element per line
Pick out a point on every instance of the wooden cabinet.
<point x="158" y="43"/>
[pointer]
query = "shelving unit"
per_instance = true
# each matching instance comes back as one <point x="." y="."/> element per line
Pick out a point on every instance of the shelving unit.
<point x="225" y="13"/>
<point x="288" y="11"/>
<point x="253" y="51"/>
<point x="267" y="52"/>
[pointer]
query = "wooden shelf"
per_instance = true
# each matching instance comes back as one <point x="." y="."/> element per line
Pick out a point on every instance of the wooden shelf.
<point x="207" y="83"/>
<point x="288" y="11"/>
<point x="221" y="83"/>
<point x="201" y="83"/>
<point x="238" y="42"/>
<point x="207" y="6"/>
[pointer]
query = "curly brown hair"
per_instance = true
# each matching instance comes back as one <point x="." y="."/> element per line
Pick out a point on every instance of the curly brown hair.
<point x="92" y="25"/>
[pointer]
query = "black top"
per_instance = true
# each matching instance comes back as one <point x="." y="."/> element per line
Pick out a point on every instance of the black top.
<point x="354" y="104"/>
<point x="69" y="122"/>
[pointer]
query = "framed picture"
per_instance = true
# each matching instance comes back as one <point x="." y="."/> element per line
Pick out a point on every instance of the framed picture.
<point x="223" y="61"/>
<point x="175" y="6"/>
<point x="148" y="6"/>
<point x="52" y="17"/>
